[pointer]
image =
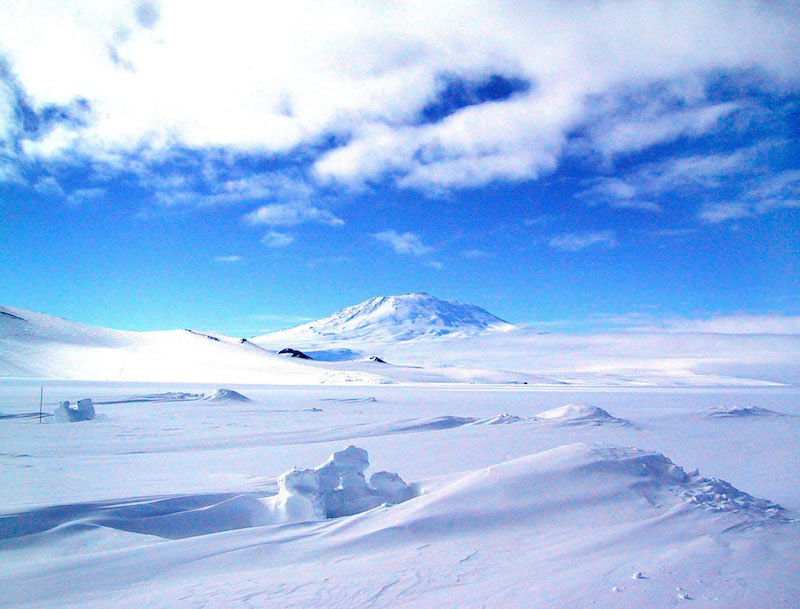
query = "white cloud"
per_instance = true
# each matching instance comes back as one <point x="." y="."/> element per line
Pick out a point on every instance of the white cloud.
<point x="10" y="173"/>
<point x="747" y="170"/>
<point x="677" y="174"/>
<point x="731" y="324"/>
<point x="276" y="239"/>
<point x="715" y="213"/>
<point x="48" y="186"/>
<point x="673" y="233"/>
<point x="403" y="243"/>
<point x="763" y="194"/>
<point x="85" y="195"/>
<point x="286" y="214"/>
<point x="228" y="259"/>
<point x="203" y="186"/>
<point x="574" y="242"/>
<point x="281" y="78"/>
<point x="475" y="254"/>
<point x="656" y="126"/>
<point x="619" y="194"/>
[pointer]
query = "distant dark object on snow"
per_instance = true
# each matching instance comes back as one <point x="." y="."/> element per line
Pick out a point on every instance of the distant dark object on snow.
<point x="294" y="353"/>
<point x="209" y="337"/>
<point x="84" y="412"/>
<point x="376" y="359"/>
<point x="226" y="394"/>
<point x="12" y="316"/>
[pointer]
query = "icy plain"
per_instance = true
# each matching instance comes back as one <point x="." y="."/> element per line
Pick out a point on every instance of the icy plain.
<point x="482" y="466"/>
<point x="163" y="499"/>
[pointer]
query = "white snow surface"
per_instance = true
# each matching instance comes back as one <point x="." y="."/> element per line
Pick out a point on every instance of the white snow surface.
<point x="162" y="502"/>
<point x="423" y="339"/>
<point x="35" y="345"/>
<point x="580" y="414"/>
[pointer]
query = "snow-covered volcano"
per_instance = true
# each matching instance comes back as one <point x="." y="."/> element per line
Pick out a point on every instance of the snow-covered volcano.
<point x="393" y="318"/>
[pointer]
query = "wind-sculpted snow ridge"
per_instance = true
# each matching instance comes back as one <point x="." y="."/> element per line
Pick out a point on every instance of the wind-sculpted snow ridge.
<point x="222" y="394"/>
<point x="336" y="488"/>
<point x="599" y="526"/>
<point x="581" y="414"/>
<point x="713" y="494"/>
<point x="502" y="418"/>
<point x="734" y="412"/>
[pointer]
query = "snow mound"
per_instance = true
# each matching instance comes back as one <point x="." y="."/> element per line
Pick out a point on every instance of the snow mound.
<point x="732" y="412"/>
<point x="221" y="395"/>
<point x="560" y="484"/>
<point x="336" y="488"/>
<point x="431" y="424"/>
<point x="502" y="418"/>
<point x="84" y="412"/>
<point x="581" y="414"/>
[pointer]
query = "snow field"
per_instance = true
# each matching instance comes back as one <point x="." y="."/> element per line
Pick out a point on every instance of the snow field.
<point x="172" y="500"/>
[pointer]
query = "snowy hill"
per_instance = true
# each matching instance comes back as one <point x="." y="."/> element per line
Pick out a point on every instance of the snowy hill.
<point x="36" y="345"/>
<point x="392" y="319"/>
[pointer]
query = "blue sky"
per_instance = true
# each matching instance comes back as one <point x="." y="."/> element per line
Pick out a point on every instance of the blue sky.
<point x="573" y="167"/>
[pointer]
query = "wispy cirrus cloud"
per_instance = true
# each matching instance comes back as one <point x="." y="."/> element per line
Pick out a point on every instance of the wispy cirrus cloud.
<point x="652" y="125"/>
<point x="403" y="243"/>
<point x="575" y="242"/>
<point x="290" y="214"/>
<point x="275" y="239"/>
<point x="746" y="172"/>
<point x="48" y="186"/>
<point x="742" y="323"/>
<point x="82" y="196"/>
<point x="763" y="194"/>
<point x="228" y="259"/>
<point x="475" y="254"/>
<point x="205" y="182"/>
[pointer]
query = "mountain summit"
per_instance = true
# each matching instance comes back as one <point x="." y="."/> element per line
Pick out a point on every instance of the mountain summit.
<point x="394" y="318"/>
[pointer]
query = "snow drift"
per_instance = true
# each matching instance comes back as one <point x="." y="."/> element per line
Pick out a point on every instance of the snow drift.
<point x="581" y="414"/>
<point x="221" y="394"/>
<point x="575" y="515"/>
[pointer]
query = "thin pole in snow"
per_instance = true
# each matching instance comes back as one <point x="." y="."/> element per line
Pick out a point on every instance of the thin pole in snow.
<point x="41" y="395"/>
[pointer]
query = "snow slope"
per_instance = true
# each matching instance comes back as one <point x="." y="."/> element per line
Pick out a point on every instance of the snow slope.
<point x="392" y="319"/>
<point x="565" y="527"/>
<point x="36" y="345"/>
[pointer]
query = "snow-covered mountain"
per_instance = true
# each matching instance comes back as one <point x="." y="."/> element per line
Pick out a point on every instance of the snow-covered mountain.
<point x="37" y="345"/>
<point x="392" y="318"/>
